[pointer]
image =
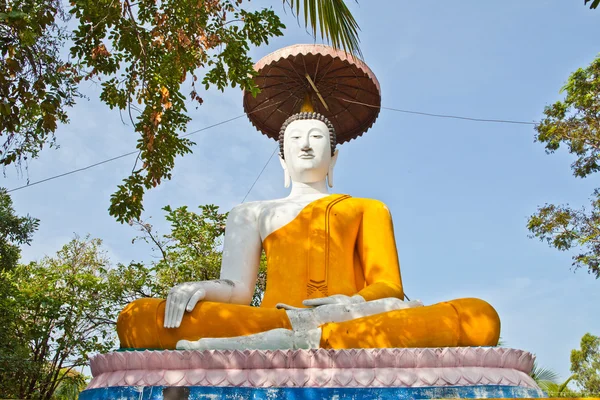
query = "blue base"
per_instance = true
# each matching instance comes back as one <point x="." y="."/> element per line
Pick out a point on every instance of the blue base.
<point x="237" y="393"/>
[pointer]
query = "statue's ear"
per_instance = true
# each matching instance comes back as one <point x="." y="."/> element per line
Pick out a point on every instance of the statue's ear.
<point x="286" y="175"/>
<point x="331" y="166"/>
<point x="334" y="158"/>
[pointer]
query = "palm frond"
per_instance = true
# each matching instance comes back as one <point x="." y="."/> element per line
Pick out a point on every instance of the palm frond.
<point x="595" y="3"/>
<point x="332" y="19"/>
<point x="543" y="375"/>
<point x="550" y="388"/>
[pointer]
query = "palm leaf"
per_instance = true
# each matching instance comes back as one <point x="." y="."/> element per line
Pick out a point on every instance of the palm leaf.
<point x="332" y="19"/>
<point x="595" y="3"/>
<point x="543" y="376"/>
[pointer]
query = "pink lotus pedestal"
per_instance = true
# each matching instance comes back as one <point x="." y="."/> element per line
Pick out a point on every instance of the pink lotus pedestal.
<point x="443" y="372"/>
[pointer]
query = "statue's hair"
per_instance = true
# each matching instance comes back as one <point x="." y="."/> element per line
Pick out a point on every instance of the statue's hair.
<point x="308" y="116"/>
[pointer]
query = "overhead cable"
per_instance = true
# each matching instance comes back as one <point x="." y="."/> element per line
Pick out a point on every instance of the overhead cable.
<point x="504" y="121"/>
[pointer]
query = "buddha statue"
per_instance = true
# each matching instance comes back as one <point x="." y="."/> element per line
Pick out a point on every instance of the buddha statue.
<point x="333" y="277"/>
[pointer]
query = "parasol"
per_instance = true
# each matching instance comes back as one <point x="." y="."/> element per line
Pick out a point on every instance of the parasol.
<point x="339" y="86"/>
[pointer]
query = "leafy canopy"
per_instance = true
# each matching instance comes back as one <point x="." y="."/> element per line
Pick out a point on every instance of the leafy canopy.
<point x="585" y="365"/>
<point x="55" y="313"/>
<point x="145" y="55"/>
<point x="14" y="232"/>
<point x="574" y="123"/>
<point x="36" y="85"/>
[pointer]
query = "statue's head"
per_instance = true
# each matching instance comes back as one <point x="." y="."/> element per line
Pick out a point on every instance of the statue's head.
<point x="307" y="148"/>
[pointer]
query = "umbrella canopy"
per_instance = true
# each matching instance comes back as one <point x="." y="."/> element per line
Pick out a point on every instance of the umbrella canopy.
<point x="339" y="86"/>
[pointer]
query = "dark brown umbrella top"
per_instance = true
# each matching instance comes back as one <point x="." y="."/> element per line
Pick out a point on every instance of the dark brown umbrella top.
<point x="345" y="85"/>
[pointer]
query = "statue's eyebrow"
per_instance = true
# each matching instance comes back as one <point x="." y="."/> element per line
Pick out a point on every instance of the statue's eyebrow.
<point x="294" y="131"/>
<point x="319" y="130"/>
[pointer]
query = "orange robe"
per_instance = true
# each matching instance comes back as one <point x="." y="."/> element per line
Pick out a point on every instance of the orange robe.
<point x="336" y="245"/>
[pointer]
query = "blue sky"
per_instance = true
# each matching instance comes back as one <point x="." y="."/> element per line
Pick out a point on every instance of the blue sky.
<point x="460" y="192"/>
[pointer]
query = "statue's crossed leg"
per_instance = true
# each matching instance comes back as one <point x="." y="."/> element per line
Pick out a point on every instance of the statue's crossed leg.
<point x="306" y="331"/>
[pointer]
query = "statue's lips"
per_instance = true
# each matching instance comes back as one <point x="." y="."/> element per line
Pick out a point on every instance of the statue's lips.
<point x="306" y="156"/>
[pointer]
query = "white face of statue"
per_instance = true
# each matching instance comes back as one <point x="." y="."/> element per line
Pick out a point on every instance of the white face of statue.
<point x="307" y="151"/>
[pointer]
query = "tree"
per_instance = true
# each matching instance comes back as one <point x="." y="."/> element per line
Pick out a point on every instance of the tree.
<point x="36" y="85"/>
<point x="190" y="252"/>
<point x="585" y="365"/>
<point x="593" y="3"/>
<point x="72" y="383"/>
<point x="61" y="309"/>
<point x="14" y="232"/>
<point x="575" y="124"/>
<point x="142" y="52"/>
<point x="57" y="311"/>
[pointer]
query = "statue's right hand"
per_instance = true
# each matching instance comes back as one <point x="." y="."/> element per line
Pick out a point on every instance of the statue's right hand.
<point x="183" y="297"/>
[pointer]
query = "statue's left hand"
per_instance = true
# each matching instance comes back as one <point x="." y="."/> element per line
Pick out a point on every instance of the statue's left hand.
<point x="334" y="299"/>
<point x="182" y="297"/>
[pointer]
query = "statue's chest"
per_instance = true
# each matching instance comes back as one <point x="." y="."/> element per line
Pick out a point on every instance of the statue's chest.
<point x="331" y="212"/>
<point x="275" y="216"/>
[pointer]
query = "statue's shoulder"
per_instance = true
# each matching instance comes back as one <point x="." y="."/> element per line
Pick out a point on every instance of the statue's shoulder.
<point x="366" y="206"/>
<point x="251" y="210"/>
<point x="368" y="203"/>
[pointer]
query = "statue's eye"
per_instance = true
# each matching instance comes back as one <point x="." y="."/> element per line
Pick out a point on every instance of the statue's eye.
<point x="295" y="137"/>
<point x="317" y="136"/>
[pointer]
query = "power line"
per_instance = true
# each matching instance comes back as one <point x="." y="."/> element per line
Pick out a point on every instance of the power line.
<point x="260" y="173"/>
<point x="117" y="157"/>
<point x="264" y="167"/>
<point x="501" y="121"/>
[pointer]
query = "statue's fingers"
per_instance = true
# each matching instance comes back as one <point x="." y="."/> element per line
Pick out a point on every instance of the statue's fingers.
<point x="318" y="302"/>
<point x="175" y="298"/>
<point x="179" y="310"/>
<point x="284" y="306"/>
<point x="168" y="311"/>
<point x="196" y="297"/>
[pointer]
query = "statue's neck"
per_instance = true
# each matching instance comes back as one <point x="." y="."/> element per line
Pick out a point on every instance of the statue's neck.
<point x="300" y="189"/>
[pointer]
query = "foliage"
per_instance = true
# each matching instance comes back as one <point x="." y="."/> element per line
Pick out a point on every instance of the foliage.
<point x="574" y="123"/>
<point x="543" y="375"/>
<point x="585" y="365"/>
<point x="333" y="19"/>
<point x="593" y="3"/>
<point x="36" y="85"/>
<point x="147" y="50"/>
<point x="57" y="311"/>
<point x="71" y="385"/>
<point x="190" y="252"/>
<point x="554" y="389"/>
<point x="14" y="231"/>
<point x="60" y="310"/>
<point x="141" y="52"/>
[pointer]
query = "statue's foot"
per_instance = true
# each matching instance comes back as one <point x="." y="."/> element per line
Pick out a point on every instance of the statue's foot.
<point x="276" y="339"/>
<point x="190" y="345"/>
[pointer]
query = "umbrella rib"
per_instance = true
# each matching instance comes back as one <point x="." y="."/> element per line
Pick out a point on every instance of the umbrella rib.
<point x="290" y="85"/>
<point x="317" y="68"/>
<point x="336" y="84"/>
<point x="354" y="76"/>
<point x="326" y="72"/>
<point x="294" y="69"/>
<point x="362" y="124"/>
<point x="345" y="110"/>
<point x="283" y="102"/>
<point x="341" y="68"/>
